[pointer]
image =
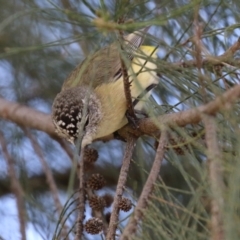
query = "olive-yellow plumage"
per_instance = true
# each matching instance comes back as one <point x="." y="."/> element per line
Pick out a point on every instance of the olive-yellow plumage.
<point x="98" y="82"/>
<point x="112" y="96"/>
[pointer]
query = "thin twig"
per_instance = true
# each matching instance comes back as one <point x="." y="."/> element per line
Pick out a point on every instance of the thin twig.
<point x="131" y="228"/>
<point x="81" y="199"/>
<point x="16" y="187"/>
<point x="210" y="61"/>
<point x="120" y="187"/>
<point x="128" y="151"/>
<point x="232" y="50"/>
<point x="80" y="166"/>
<point x="49" y="176"/>
<point x="215" y="178"/>
<point x="213" y="153"/>
<point x="126" y="83"/>
<point x="79" y="149"/>
<point x="198" y="53"/>
<point x="180" y="208"/>
<point x="130" y="109"/>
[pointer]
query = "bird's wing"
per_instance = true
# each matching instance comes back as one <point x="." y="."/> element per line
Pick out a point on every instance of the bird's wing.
<point x="105" y="65"/>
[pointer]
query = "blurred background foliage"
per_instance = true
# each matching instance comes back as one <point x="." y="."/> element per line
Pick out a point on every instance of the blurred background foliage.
<point x="41" y="42"/>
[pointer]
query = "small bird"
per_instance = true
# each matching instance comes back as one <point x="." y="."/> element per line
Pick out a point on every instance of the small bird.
<point x="98" y="82"/>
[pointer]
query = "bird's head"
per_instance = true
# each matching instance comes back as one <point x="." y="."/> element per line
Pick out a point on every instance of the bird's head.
<point x="68" y="111"/>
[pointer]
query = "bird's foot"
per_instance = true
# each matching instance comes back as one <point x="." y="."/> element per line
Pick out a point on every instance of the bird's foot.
<point x="133" y="120"/>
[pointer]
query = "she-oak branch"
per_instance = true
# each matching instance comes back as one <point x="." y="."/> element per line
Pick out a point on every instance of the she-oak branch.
<point x="31" y="118"/>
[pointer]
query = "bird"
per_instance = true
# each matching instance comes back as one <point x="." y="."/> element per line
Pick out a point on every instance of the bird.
<point x="97" y="84"/>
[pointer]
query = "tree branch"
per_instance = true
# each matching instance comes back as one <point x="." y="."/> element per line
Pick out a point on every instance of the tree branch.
<point x="150" y="126"/>
<point x="209" y="60"/>
<point x="215" y="178"/>
<point x="15" y="186"/>
<point x="28" y="117"/>
<point x="120" y="187"/>
<point x="131" y="228"/>
<point x="130" y="110"/>
<point x="81" y="198"/>
<point x="49" y="177"/>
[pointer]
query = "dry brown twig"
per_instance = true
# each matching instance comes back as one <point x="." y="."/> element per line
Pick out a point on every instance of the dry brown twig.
<point x="213" y="153"/>
<point x="131" y="227"/>
<point x="46" y="169"/>
<point x="126" y="83"/>
<point x="81" y="198"/>
<point x="49" y="177"/>
<point x="120" y="187"/>
<point x="215" y="178"/>
<point x="198" y="54"/>
<point x="212" y="61"/>
<point x="128" y="152"/>
<point x="79" y="163"/>
<point x="16" y="187"/>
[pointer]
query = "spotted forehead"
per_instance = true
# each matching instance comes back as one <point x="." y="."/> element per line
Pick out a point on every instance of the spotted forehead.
<point x="67" y="111"/>
<point x="67" y="121"/>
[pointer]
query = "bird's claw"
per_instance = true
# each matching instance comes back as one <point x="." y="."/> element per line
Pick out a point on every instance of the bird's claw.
<point x="132" y="119"/>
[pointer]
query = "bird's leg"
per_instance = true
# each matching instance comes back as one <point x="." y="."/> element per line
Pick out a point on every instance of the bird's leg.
<point x="132" y="119"/>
